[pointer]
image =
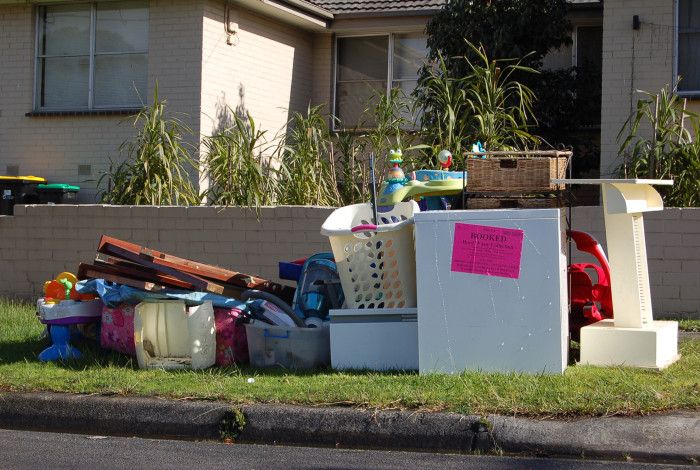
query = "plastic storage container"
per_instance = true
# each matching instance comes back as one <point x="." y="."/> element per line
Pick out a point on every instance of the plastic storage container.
<point x="376" y="264"/>
<point x="291" y="270"/>
<point x="18" y="190"/>
<point x="57" y="193"/>
<point x="289" y="347"/>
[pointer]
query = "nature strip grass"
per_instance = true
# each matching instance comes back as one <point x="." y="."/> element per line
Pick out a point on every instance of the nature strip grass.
<point x="580" y="391"/>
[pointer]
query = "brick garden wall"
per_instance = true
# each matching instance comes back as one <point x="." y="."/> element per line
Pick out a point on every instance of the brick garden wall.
<point x="40" y="241"/>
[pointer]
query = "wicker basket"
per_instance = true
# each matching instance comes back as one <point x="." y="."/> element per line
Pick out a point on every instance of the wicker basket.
<point x="512" y="202"/>
<point x="516" y="172"/>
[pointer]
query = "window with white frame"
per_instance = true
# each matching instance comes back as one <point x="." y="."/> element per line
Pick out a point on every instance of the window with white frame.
<point x="91" y="55"/>
<point x="368" y="66"/>
<point x="688" y="44"/>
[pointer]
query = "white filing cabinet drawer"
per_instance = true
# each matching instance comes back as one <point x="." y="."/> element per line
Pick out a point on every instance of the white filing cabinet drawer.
<point x="375" y="339"/>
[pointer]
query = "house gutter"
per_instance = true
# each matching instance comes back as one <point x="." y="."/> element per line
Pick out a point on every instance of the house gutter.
<point x="310" y="8"/>
<point x="286" y="6"/>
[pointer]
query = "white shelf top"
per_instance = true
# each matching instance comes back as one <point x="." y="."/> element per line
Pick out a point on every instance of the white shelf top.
<point x="613" y="181"/>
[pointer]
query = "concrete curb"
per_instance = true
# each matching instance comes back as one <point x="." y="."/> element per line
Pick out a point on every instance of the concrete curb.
<point x="667" y="437"/>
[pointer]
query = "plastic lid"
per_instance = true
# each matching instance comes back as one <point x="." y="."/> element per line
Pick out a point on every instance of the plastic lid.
<point x="64" y="187"/>
<point x="33" y="179"/>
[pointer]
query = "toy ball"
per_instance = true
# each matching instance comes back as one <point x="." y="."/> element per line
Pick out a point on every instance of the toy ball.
<point x="445" y="158"/>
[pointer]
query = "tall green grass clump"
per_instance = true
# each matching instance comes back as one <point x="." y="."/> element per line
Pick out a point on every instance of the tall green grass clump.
<point x="239" y="164"/>
<point x="487" y="104"/>
<point x="660" y="140"/>
<point x="158" y="165"/>
<point x="307" y="174"/>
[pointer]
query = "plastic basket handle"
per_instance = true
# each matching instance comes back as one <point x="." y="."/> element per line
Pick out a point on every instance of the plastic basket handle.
<point x="364" y="228"/>
<point x="267" y="334"/>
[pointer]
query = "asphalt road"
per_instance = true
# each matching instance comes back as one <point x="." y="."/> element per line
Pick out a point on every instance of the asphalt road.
<point x="32" y="450"/>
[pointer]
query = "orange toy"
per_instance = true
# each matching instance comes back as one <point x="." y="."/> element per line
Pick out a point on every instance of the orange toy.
<point x="63" y="288"/>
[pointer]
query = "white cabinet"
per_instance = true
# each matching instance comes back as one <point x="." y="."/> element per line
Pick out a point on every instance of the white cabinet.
<point x="492" y="291"/>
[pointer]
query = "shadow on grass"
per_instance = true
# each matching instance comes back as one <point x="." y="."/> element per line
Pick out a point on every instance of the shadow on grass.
<point x="94" y="357"/>
<point x="20" y="351"/>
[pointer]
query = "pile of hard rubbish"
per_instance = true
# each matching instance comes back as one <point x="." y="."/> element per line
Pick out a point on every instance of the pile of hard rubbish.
<point x="172" y="312"/>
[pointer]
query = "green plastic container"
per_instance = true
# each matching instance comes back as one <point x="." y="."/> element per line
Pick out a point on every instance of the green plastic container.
<point x="57" y="193"/>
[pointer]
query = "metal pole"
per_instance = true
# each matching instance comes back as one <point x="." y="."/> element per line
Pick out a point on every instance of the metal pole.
<point x="374" y="188"/>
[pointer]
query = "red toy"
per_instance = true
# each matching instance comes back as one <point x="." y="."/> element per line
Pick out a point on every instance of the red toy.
<point x="589" y="302"/>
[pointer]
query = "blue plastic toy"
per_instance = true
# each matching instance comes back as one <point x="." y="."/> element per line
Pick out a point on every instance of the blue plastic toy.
<point x="61" y="348"/>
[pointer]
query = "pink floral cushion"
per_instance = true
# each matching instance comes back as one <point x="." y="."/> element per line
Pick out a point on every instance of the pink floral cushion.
<point x="231" y="340"/>
<point x="118" y="329"/>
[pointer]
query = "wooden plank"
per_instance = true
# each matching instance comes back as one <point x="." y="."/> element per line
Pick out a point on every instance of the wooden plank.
<point x="197" y="282"/>
<point x="176" y="267"/>
<point x="87" y="271"/>
<point x="129" y="269"/>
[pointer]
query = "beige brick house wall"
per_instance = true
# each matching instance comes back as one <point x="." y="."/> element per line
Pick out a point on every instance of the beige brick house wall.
<point x="323" y="71"/>
<point x="632" y="60"/>
<point x="41" y="241"/>
<point x="54" y="146"/>
<point x="45" y="146"/>
<point x="267" y="71"/>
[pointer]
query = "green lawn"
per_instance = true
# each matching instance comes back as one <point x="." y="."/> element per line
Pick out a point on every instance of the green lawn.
<point x="582" y="390"/>
<point x="689" y="325"/>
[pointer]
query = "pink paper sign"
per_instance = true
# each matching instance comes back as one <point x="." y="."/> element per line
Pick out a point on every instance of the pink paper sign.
<point x="491" y="251"/>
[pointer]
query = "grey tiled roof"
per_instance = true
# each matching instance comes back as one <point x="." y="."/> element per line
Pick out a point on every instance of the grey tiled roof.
<point x="377" y="6"/>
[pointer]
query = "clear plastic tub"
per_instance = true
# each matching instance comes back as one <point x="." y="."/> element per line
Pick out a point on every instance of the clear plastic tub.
<point x="288" y="347"/>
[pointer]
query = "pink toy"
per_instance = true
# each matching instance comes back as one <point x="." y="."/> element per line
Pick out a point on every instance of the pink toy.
<point x="118" y="329"/>
<point x="231" y="339"/>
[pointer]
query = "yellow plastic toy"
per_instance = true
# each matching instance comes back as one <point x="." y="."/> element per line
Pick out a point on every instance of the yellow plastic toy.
<point x="63" y="288"/>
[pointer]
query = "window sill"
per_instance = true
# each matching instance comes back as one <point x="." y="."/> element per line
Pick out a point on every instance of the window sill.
<point x="91" y="112"/>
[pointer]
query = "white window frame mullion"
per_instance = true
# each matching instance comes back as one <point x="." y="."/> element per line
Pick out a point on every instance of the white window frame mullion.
<point x="91" y="67"/>
<point x="390" y="65"/>
<point x="37" y="84"/>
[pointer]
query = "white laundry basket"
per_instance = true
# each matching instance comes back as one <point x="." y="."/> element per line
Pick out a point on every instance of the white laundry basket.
<point x="376" y="264"/>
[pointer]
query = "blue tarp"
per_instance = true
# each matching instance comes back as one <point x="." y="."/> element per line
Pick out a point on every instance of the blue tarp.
<point x="113" y="294"/>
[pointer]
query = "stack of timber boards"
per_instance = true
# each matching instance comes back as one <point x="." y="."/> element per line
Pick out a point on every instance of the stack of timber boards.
<point x="144" y="268"/>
